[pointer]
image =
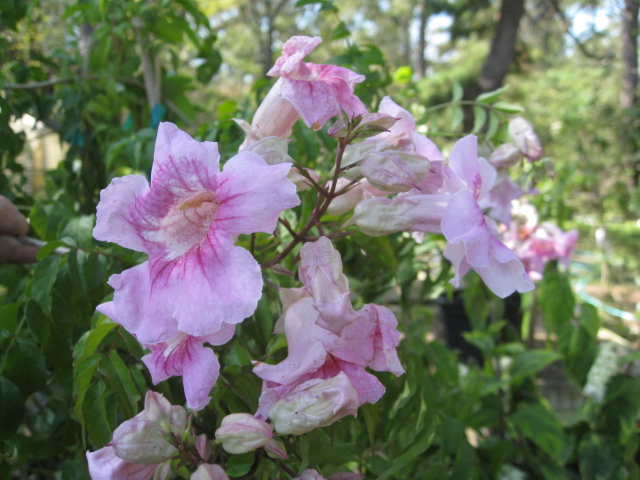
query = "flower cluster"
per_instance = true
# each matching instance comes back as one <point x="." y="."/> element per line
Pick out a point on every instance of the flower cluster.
<point x="536" y="243"/>
<point x="197" y="284"/>
<point x="324" y="378"/>
<point x="436" y="197"/>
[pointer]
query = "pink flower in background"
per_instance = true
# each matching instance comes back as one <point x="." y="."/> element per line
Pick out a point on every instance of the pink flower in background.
<point x="326" y="336"/>
<point x="317" y="92"/>
<point x="525" y="138"/>
<point x="471" y="239"/>
<point x="196" y="280"/>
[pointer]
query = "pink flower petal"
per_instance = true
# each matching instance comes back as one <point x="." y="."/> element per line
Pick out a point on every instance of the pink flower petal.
<point x="105" y="465"/>
<point x="115" y="222"/>
<point x="252" y="195"/>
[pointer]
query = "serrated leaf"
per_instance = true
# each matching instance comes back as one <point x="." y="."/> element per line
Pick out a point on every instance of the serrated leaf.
<point x="44" y="277"/>
<point x="25" y="366"/>
<point x="11" y="408"/>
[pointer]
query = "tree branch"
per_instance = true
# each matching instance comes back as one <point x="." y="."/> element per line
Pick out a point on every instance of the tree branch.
<point x="567" y="27"/>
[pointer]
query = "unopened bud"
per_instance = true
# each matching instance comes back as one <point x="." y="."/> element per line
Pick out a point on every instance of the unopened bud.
<point x="142" y="442"/>
<point x="397" y="172"/>
<point x="207" y="471"/>
<point x="506" y="155"/>
<point x="159" y="410"/>
<point x="275" y="449"/>
<point x="318" y="405"/>
<point x="242" y="433"/>
<point x="525" y="138"/>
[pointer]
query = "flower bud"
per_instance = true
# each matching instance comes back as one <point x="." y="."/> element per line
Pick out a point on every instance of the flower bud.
<point x="397" y="172"/>
<point x="315" y="404"/>
<point x="309" y="474"/>
<point x="274" y="118"/>
<point x="242" y="433"/>
<point x="208" y="471"/>
<point x="506" y="155"/>
<point x="142" y="442"/>
<point x="525" y="138"/>
<point x="275" y="449"/>
<point x="159" y="410"/>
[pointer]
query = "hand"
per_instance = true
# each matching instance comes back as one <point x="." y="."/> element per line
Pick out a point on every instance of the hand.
<point x="13" y="224"/>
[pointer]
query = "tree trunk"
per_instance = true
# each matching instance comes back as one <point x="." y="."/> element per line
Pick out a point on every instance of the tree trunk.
<point x="502" y="53"/>
<point x="628" y="95"/>
<point x="421" y="62"/>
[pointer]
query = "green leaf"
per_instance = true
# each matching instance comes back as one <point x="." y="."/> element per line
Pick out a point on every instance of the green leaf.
<point x="479" y="118"/>
<point x="422" y="443"/>
<point x="44" y="277"/>
<point x="47" y="249"/>
<point x="95" y="415"/>
<point x="9" y="316"/>
<point x="25" y="366"/>
<point x="82" y="376"/>
<point x="556" y="298"/>
<point x="110" y="368"/>
<point x="340" y="32"/>
<point x="371" y="415"/>
<point x="490" y="97"/>
<point x="91" y="339"/>
<point x="402" y="75"/>
<point x="458" y="116"/>
<point x="458" y="92"/>
<point x="589" y="320"/>
<point x="133" y="395"/>
<point x="508" y="107"/>
<point x="11" y="408"/>
<point x="530" y="362"/>
<point x="541" y="427"/>
<point x="378" y="249"/>
<point x="80" y="230"/>
<point x="494" y="123"/>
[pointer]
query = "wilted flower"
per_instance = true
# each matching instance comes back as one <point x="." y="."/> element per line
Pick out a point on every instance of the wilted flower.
<point x="242" y="433"/>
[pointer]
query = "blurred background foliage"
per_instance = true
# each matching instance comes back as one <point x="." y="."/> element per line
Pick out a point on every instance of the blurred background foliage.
<point x="100" y="75"/>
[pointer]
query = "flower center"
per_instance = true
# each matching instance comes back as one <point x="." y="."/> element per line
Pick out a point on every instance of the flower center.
<point x="200" y="209"/>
